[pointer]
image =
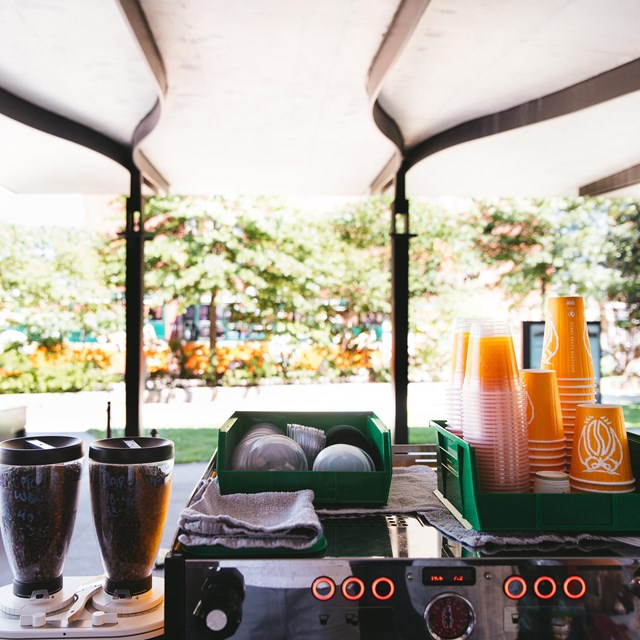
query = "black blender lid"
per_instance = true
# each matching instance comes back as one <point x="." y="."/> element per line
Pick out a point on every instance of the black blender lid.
<point x="134" y="450"/>
<point x="39" y="450"/>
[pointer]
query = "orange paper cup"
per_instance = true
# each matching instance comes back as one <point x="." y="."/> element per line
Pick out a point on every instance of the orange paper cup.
<point x="542" y="402"/>
<point x="600" y="451"/>
<point x="566" y="348"/>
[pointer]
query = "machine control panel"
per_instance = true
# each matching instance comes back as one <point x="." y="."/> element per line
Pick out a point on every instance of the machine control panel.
<point x="440" y="599"/>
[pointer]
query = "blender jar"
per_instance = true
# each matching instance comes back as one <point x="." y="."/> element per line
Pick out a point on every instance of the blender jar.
<point x="130" y="481"/>
<point x="39" y="489"/>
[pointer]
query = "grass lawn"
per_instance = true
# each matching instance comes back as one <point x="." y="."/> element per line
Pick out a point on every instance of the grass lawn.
<point x="198" y="445"/>
<point x="632" y="415"/>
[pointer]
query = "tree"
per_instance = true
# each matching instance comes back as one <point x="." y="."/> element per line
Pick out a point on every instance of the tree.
<point x="359" y="252"/>
<point x="252" y="255"/>
<point x="623" y="258"/>
<point x="623" y="255"/>
<point x="51" y="283"/>
<point x="441" y="265"/>
<point x="540" y="245"/>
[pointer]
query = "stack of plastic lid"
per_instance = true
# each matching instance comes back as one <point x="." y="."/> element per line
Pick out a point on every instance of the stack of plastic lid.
<point x="343" y="457"/>
<point x="461" y="330"/>
<point x="311" y="440"/>
<point x="544" y="421"/>
<point x="566" y="350"/>
<point x="601" y="462"/>
<point x="493" y="407"/>
<point x="265" y="448"/>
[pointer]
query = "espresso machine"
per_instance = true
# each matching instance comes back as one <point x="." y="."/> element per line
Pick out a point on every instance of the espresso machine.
<point x="394" y="575"/>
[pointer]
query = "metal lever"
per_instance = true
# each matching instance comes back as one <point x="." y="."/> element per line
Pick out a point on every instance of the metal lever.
<point x="82" y="597"/>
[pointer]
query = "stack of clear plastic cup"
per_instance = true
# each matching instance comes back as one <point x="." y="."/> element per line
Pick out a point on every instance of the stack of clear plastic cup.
<point x="493" y="408"/>
<point x="460" y="334"/>
<point x="566" y="350"/>
<point x="544" y="421"/>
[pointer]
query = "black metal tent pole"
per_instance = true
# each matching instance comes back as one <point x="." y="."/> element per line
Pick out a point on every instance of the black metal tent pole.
<point x="139" y="168"/>
<point x="606" y="86"/>
<point x="134" y="297"/>
<point x="401" y="28"/>
<point x="52" y="123"/>
<point x="400" y="238"/>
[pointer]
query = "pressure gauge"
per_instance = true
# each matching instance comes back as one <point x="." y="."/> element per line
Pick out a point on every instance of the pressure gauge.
<point x="449" y="617"/>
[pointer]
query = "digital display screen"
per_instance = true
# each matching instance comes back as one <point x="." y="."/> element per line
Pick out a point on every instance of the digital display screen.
<point x="448" y="576"/>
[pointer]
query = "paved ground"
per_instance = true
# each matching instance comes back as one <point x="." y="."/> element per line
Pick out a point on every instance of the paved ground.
<point x="75" y="413"/>
<point x="206" y="407"/>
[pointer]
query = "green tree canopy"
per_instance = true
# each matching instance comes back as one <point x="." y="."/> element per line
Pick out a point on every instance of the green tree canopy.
<point x="623" y="256"/>
<point x="52" y="283"/>
<point x="544" y="244"/>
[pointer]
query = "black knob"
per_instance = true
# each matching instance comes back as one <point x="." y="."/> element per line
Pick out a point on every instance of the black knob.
<point x="219" y="611"/>
<point x="634" y="585"/>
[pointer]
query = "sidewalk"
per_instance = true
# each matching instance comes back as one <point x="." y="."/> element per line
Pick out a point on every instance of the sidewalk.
<point x="211" y="407"/>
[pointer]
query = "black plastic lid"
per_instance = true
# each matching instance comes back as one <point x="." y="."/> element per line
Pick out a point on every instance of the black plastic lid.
<point x="38" y="450"/>
<point x="135" y="450"/>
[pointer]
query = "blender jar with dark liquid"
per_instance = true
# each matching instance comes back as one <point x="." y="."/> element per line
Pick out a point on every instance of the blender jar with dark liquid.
<point x="130" y="480"/>
<point x="39" y="490"/>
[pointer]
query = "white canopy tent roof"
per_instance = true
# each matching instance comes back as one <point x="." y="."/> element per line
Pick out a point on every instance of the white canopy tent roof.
<point x="299" y="97"/>
<point x="277" y="97"/>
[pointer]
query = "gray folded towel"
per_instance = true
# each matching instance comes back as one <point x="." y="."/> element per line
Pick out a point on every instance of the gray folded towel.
<point x="249" y="520"/>
<point x="412" y="490"/>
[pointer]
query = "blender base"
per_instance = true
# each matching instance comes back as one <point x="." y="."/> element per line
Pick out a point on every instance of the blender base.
<point x="137" y="618"/>
<point x="135" y="605"/>
<point x="12" y="605"/>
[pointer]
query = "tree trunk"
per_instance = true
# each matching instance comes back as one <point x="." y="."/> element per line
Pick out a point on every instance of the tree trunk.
<point x="214" y="376"/>
<point x="213" y="323"/>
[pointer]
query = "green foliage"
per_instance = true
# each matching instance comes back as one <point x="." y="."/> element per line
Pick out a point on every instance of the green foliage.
<point x="623" y="257"/>
<point x="632" y="415"/>
<point x="540" y="245"/>
<point x="51" y="283"/>
<point x="319" y="279"/>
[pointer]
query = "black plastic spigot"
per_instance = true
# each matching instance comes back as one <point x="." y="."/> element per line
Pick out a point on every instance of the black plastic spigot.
<point x="219" y="610"/>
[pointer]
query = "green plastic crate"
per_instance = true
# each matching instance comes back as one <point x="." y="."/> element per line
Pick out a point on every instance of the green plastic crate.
<point x="369" y="488"/>
<point x="565" y="512"/>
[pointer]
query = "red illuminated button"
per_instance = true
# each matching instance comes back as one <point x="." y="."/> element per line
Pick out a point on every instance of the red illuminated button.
<point x="383" y="588"/>
<point x="323" y="588"/>
<point x="545" y="587"/>
<point x="353" y="588"/>
<point x="515" y="587"/>
<point x="574" y="587"/>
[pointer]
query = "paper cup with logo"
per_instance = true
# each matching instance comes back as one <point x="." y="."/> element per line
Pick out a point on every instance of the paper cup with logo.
<point x="600" y="452"/>
<point x="566" y="348"/>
